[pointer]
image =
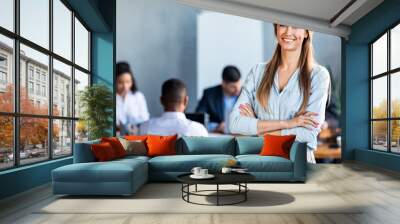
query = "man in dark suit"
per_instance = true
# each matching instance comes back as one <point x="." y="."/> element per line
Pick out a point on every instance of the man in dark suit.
<point x="218" y="101"/>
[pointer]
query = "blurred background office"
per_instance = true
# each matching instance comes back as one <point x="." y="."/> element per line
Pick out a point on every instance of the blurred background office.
<point x="171" y="40"/>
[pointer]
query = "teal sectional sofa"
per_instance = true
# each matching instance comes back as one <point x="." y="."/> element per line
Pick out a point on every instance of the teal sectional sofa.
<point x="125" y="176"/>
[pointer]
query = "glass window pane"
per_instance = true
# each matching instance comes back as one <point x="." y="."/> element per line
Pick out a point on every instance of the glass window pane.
<point x="81" y="131"/>
<point x="395" y="94"/>
<point x="35" y="21"/>
<point x="62" y="89"/>
<point x="379" y="135"/>
<point x="81" y="81"/>
<point x="395" y="47"/>
<point x="33" y="140"/>
<point x="6" y="142"/>
<point x="34" y="72"/>
<point x="395" y="136"/>
<point x="62" y="29"/>
<point x="6" y="74"/>
<point x="379" y="55"/>
<point x="81" y="45"/>
<point x="379" y="98"/>
<point x="62" y="138"/>
<point x="7" y="14"/>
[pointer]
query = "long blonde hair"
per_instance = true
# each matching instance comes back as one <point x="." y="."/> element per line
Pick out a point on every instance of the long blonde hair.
<point x="306" y="63"/>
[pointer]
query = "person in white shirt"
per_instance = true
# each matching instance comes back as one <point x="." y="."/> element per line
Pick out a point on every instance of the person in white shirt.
<point x="131" y="103"/>
<point x="173" y="121"/>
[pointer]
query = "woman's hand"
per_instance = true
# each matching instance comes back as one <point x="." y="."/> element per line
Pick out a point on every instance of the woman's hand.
<point x="246" y="110"/>
<point x="305" y="119"/>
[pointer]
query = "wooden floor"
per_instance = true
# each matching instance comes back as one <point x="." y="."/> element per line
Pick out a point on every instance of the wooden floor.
<point x="379" y="189"/>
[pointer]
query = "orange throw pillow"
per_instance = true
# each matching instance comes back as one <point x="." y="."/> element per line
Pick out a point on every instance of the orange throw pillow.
<point x="275" y="145"/>
<point x="103" y="152"/>
<point x="136" y="137"/>
<point x="161" y="145"/>
<point x="116" y="145"/>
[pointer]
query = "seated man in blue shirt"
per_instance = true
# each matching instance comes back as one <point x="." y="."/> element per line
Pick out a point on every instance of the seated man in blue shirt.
<point x="218" y="101"/>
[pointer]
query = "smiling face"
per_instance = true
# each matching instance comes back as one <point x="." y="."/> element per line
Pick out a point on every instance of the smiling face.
<point x="290" y="38"/>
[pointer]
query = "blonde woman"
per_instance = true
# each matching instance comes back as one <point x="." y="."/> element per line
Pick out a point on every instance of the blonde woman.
<point x="287" y="95"/>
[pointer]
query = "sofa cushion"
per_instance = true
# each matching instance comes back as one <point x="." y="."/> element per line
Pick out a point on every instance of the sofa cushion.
<point x="207" y="145"/>
<point x="103" y="152"/>
<point x="161" y="145"/>
<point x="276" y="145"/>
<point x="249" y="145"/>
<point x="134" y="147"/>
<point x="257" y="163"/>
<point x="185" y="163"/>
<point x="136" y="137"/>
<point x="112" y="171"/>
<point x="83" y="152"/>
<point x="133" y="158"/>
<point x="116" y="145"/>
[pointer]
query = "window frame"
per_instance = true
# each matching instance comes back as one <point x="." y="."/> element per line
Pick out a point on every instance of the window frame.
<point x="16" y="115"/>
<point x="388" y="74"/>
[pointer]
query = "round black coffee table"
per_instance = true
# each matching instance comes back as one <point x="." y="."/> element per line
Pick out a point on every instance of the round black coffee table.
<point x="238" y="179"/>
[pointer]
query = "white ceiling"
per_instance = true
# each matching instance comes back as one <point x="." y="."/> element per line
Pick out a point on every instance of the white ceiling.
<point x="321" y="9"/>
<point x="327" y="16"/>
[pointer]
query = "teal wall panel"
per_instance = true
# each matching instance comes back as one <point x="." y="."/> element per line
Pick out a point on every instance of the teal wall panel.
<point x="24" y="178"/>
<point x="356" y="112"/>
<point x="103" y="63"/>
<point x="91" y="14"/>
<point x="356" y="99"/>
<point x="379" y="159"/>
<point x="103" y="51"/>
<point x="103" y="59"/>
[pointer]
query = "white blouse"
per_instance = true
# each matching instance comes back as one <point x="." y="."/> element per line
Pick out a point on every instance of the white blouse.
<point x="283" y="105"/>
<point x="171" y="123"/>
<point x="132" y="109"/>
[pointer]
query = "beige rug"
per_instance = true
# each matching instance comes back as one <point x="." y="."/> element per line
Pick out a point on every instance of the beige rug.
<point x="166" y="198"/>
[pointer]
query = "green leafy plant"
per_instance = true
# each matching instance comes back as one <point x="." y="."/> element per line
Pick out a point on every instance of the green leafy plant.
<point x="96" y="102"/>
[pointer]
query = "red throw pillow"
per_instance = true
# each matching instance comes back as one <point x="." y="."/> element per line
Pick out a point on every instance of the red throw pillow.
<point x="161" y="145"/>
<point x="275" y="145"/>
<point x="116" y="145"/>
<point x="103" y="152"/>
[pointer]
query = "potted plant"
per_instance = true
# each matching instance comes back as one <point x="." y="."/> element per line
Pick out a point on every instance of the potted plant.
<point x="96" y="103"/>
